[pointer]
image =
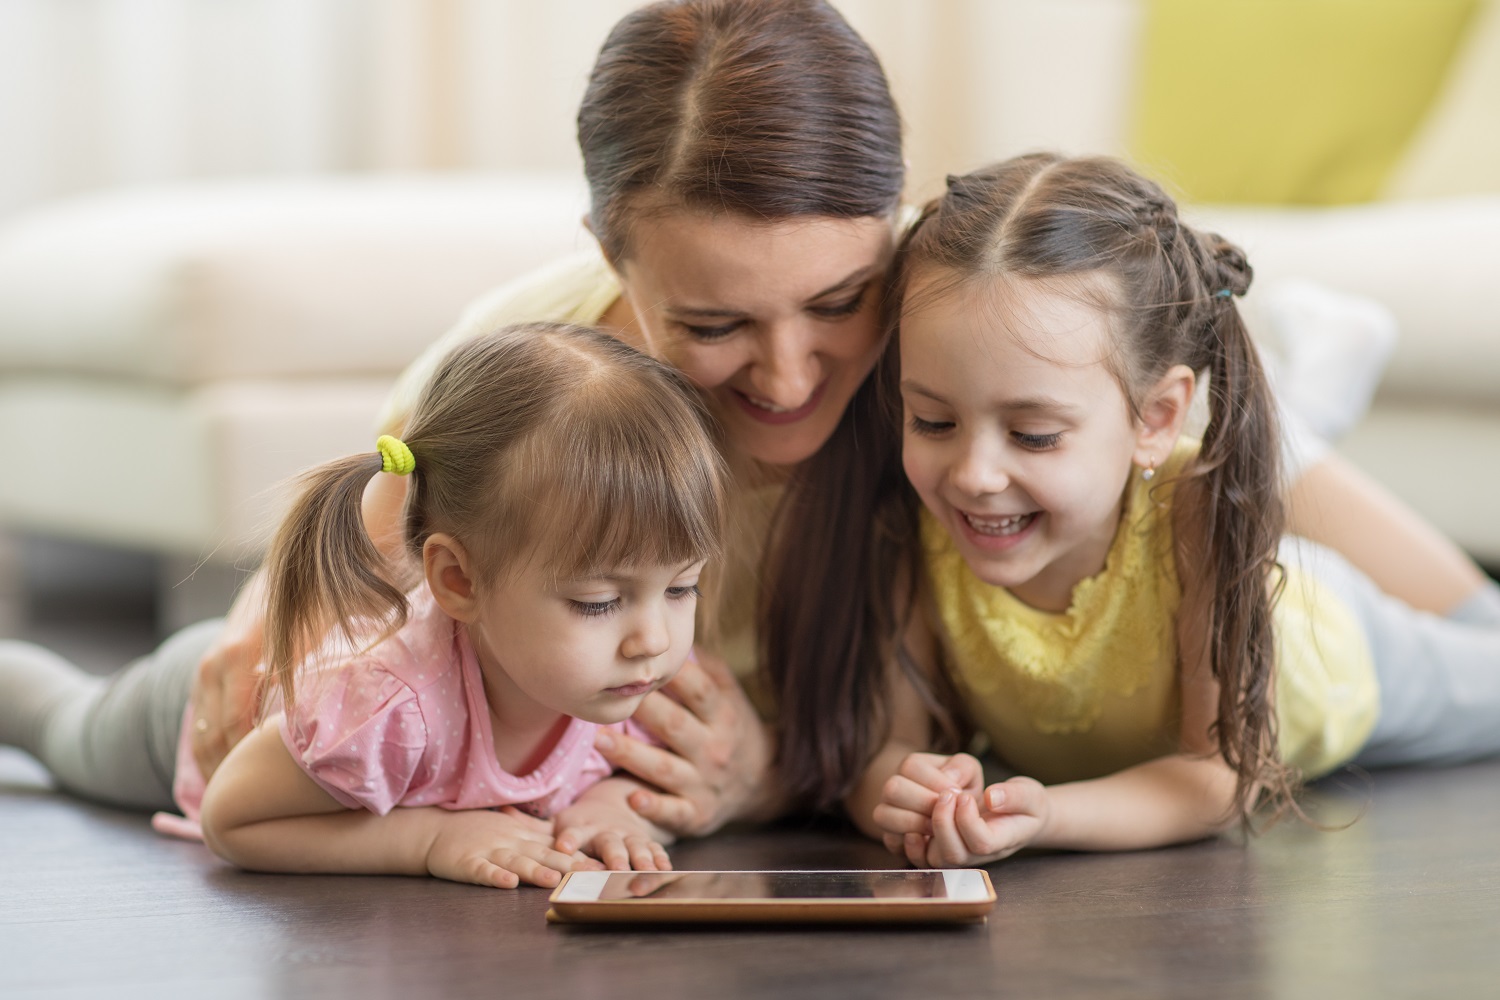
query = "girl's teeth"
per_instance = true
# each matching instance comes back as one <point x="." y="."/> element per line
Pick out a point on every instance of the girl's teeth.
<point x="999" y="525"/>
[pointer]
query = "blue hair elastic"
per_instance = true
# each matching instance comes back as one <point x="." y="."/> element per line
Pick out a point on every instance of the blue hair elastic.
<point x="1224" y="293"/>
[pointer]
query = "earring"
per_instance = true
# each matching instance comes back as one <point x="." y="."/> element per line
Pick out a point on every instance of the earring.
<point x="1149" y="472"/>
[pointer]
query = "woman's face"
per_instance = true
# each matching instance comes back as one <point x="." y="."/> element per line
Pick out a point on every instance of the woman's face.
<point x="778" y="322"/>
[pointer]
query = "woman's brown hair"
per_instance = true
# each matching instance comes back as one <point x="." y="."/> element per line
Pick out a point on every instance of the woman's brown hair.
<point x="540" y="442"/>
<point x="1045" y="216"/>
<point x="769" y="109"/>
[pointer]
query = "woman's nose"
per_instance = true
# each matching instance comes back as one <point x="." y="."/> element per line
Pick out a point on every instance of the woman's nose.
<point x="787" y="371"/>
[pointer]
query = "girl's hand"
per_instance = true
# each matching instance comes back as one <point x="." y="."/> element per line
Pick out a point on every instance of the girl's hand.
<point x="909" y="797"/>
<point x="500" y="849"/>
<point x="226" y="689"/>
<point x="601" y="823"/>
<point x="971" y="830"/>
<point x="714" y="763"/>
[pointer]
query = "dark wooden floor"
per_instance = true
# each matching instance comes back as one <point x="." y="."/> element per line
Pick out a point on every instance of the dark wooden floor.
<point x="1406" y="902"/>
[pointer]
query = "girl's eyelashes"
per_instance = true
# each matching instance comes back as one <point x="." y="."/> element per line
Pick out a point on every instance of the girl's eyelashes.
<point x="596" y="609"/>
<point x="682" y="593"/>
<point x="928" y="428"/>
<point x="1037" y="442"/>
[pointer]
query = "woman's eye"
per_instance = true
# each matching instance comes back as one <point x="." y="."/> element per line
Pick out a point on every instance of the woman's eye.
<point x="595" y="609"/>
<point x="681" y="593"/>
<point x="929" y="428"/>
<point x="841" y="309"/>
<point x="1037" y="442"/>
<point x="712" y="332"/>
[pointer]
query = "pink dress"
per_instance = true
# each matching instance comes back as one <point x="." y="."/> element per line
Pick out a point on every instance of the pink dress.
<point x="406" y="724"/>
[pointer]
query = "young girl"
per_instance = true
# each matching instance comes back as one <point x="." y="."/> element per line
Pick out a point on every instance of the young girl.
<point x="565" y="494"/>
<point x="1113" y="599"/>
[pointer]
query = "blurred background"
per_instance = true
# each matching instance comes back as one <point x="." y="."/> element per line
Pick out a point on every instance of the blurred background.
<point x="225" y="225"/>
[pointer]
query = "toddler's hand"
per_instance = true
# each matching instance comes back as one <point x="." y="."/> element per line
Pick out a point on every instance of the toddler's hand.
<point x="972" y="830"/>
<point x="911" y="794"/>
<point x="611" y="831"/>
<point x="500" y="849"/>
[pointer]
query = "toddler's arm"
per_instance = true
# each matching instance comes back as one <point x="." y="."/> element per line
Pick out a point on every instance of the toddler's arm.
<point x="262" y="812"/>
<point x="601" y="823"/>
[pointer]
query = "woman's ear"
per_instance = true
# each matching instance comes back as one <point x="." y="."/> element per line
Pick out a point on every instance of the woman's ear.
<point x="1163" y="413"/>
<point x="450" y="577"/>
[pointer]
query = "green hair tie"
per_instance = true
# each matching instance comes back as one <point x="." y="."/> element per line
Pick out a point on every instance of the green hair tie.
<point x="395" y="456"/>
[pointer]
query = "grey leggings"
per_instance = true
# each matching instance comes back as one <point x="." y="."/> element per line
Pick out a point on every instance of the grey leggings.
<point x="115" y="741"/>
<point x="1439" y="677"/>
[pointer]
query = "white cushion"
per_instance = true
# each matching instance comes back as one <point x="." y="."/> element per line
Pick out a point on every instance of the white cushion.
<point x="196" y="473"/>
<point x="329" y="276"/>
<point x="1432" y="263"/>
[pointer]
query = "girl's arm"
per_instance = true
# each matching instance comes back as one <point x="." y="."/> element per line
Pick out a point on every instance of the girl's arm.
<point x="262" y="812"/>
<point x="901" y="759"/>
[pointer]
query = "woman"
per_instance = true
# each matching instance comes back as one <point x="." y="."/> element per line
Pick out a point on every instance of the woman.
<point x="745" y="170"/>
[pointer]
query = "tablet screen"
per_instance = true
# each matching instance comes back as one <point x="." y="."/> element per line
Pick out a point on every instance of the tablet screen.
<point x="775" y="885"/>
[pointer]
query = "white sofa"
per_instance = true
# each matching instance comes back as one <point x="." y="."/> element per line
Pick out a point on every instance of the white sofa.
<point x="167" y="357"/>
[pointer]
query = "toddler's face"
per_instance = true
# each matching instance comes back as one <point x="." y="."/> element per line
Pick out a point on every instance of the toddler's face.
<point x="1017" y="437"/>
<point x="589" y="648"/>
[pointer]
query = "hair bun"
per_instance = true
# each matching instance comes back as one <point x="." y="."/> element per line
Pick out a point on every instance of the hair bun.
<point x="1233" y="271"/>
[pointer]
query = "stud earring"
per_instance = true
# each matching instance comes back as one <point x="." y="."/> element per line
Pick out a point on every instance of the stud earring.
<point x="1150" y="472"/>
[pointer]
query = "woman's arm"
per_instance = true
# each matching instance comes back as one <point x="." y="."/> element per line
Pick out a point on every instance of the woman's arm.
<point x="902" y="758"/>
<point x="262" y="812"/>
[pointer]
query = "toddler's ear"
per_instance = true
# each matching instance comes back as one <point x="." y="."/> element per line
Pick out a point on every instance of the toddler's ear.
<point x="447" y="568"/>
<point x="1163" y="413"/>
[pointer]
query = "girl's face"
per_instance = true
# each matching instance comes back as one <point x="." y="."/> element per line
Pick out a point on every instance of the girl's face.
<point x="1017" y="437"/>
<point x="778" y="322"/>
<point x="590" y="648"/>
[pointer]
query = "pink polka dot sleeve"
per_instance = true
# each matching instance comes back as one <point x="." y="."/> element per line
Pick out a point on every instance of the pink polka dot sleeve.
<point x="361" y="738"/>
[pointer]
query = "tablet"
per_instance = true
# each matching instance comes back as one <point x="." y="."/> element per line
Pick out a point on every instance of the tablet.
<point x="905" y="896"/>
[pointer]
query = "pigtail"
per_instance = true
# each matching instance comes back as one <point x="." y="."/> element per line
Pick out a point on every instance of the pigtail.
<point x="1243" y="518"/>
<point x="324" y="571"/>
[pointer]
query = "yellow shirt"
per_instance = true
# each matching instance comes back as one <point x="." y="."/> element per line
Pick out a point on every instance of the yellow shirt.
<point x="1094" y="690"/>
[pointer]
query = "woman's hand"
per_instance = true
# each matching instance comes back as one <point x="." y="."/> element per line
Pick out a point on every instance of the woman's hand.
<point x="226" y="689"/>
<point x="602" y="824"/>
<point x="714" y="764"/>
<point x="500" y="849"/>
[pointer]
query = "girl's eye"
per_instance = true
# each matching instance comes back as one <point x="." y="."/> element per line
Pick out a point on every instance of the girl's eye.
<point x="683" y="593"/>
<point x="840" y="310"/>
<point x="929" y="428"/>
<point x="595" y="609"/>
<point x="710" y="333"/>
<point x="1037" y="442"/>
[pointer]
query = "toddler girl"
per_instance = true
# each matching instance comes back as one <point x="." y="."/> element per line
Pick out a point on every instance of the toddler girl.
<point x="1112" y="599"/>
<point x="565" y="494"/>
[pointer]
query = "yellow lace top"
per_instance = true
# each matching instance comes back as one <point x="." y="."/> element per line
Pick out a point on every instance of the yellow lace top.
<point x="1094" y="689"/>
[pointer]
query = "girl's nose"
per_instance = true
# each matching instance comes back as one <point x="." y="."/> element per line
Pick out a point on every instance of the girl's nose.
<point x="978" y="470"/>
<point x="647" y="637"/>
<point x="787" y="371"/>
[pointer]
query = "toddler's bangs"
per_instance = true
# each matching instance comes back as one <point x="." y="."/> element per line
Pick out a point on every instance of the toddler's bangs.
<point x="601" y="490"/>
